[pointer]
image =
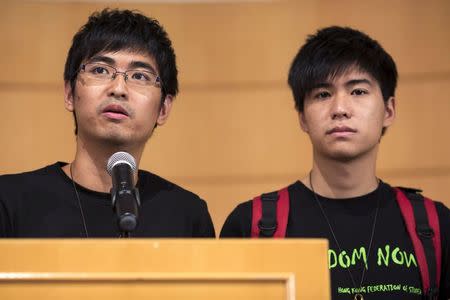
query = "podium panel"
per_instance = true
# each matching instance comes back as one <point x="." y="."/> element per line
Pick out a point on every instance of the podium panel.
<point x="149" y="286"/>
<point x="164" y="269"/>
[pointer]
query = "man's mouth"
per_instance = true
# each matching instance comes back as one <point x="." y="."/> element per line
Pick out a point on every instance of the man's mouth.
<point x="341" y="130"/>
<point x="115" y="111"/>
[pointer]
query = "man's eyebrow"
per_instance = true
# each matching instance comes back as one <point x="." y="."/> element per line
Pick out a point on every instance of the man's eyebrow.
<point x="142" y="65"/>
<point x="103" y="59"/>
<point x="321" y="85"/>
<point x="357" y="81"/>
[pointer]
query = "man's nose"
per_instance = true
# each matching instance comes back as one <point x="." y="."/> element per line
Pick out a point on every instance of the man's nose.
<point x="118" y="88"/>
<point x="341" y="107"/>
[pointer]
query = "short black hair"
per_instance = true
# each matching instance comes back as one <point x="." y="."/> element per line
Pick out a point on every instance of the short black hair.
<point x="112" y="30"/>
<point x="334" y="50"/>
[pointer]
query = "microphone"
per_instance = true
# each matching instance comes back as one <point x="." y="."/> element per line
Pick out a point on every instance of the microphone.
<point x="125" y="197"/>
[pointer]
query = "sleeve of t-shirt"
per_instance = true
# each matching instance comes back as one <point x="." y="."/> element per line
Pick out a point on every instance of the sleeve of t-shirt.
<point x="444" y="225"/>
<point x="239" y="222"/>
<point x="204" y="226"/>
<point x="4" y="224"/>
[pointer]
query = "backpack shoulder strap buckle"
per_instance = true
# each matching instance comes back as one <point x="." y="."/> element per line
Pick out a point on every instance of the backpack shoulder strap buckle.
<point x="409" y="190"/>
<point x="270" y="213"/>
<point x="424" y="231"/>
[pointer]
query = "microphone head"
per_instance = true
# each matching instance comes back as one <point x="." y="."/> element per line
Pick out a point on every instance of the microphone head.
<point x="120" y="157"/>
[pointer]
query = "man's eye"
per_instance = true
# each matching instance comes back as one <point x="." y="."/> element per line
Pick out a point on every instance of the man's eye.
<point x="99" y="70"/>
<point x="359" y="92"/>
<point x="140" y="76"/>
<point x="322" y="95"/>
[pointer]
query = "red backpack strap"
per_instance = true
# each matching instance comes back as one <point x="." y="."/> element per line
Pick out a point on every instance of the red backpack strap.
<point x="422" y="224"/>
<point x="270" y="214"/>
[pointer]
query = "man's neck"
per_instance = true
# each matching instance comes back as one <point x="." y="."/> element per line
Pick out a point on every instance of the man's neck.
<point x="347" y="179"/>
<point x="88" y="169"/>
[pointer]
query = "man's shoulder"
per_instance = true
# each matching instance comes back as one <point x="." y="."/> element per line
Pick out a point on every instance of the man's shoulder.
<point x="28" y="177"/>
<point x="443" y="212"/>
<point x="245" y="207"/>
<point x="16" y="189"/>
<point x="413" y="190"/>
<point x="150" y="183"/>
<point x="291" y="188"/>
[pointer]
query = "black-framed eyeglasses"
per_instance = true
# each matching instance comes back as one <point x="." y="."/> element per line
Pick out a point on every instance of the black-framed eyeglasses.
<point x="100" y="73"/>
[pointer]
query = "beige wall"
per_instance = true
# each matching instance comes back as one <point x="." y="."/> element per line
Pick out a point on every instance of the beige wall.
<point x="233" y="132"/>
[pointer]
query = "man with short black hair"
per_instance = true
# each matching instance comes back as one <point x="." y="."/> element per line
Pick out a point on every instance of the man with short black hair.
<point x="343" y="83"/>
<point x="120" y="82"/>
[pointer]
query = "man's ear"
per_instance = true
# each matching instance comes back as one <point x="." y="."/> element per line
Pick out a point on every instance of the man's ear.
<point x="302" y="121"/>
<point x="68" y="96"/>
<point x="389" y="112"/>
<point x="164" y="111"/>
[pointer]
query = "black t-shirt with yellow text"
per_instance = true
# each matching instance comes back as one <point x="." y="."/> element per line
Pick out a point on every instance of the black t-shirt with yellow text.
<point x="391" y="266"/>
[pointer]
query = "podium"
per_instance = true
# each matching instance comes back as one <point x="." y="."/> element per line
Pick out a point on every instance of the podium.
<point x="131" y="269"/>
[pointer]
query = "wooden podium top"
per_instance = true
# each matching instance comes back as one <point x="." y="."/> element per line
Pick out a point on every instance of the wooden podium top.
<point x="164" y="268"/>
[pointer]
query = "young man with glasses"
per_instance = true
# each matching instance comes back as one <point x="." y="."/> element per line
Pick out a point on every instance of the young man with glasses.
<point x="120" y="83"/>
<point x="343" y="84"/>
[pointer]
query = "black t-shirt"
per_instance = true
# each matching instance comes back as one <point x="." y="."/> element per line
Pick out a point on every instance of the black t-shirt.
<point x="392" y="271"/>
<point x="43" y="203"/>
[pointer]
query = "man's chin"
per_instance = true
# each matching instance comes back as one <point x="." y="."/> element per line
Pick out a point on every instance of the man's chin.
<point x="124" y="139"/>
<point x="348" y="154"/>
<point x="119" y="140"/>
<point x="344" y="155"/>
